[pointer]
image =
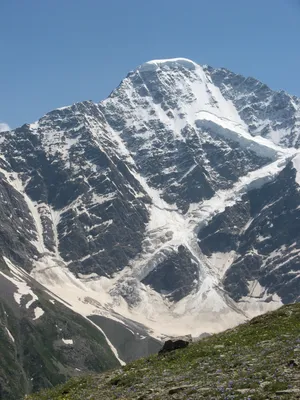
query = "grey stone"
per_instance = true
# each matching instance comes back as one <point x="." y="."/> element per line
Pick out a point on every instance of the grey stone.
<point x="288" y="391"/>
<point x="179" y="389"/>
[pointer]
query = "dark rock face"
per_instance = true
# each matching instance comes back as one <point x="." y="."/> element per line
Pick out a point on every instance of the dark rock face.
<point x="176" y="276"/>
<point x="171" y="345"/>
<point x="187" y="167"/>
<point x="17" y="229"/>
<point x="65" y="166"/>
<point x="263" y="229"/>
<point x="222" y="233"/>
<point x="106" y="235"/>
<point x="264" y="110"/>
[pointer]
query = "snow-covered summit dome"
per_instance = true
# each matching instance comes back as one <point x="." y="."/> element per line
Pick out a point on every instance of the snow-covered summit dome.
<point x="171" y="63"/>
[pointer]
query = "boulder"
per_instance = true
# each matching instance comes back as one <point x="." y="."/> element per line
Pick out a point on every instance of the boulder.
<point x="174" y="344"/>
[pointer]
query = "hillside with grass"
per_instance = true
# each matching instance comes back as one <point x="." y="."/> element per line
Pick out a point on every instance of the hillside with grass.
<point x="256" y="360"/>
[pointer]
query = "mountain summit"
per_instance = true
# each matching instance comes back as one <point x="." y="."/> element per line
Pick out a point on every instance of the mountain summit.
<point x="170" y="208"/>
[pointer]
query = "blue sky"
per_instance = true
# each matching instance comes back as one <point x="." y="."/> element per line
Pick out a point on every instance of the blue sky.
<point x="57" y="52"/>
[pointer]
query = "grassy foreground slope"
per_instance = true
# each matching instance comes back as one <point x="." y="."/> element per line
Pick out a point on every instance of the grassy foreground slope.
<point x="257" y="360"/>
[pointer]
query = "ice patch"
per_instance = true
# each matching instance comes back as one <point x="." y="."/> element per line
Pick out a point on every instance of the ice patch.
<point x="221" y="126"/>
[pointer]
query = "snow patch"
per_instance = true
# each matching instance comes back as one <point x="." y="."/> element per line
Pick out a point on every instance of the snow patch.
<point x="255" y="289"/>
<point x="38" y="312"/>
<point x="296" y="163"/>
<point x="259" y="301"/>
<point x="4" y="127"/>
<point x="19" y="280"/>
<point x="10" y="335"/>
<point x="67" y="341"/>
<point x="220" y="262"/>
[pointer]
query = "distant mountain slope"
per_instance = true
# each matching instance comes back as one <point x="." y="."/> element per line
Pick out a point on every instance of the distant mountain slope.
<point x="43" y="342"/>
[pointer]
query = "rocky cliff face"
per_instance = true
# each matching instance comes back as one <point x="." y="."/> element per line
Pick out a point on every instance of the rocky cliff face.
<point x="274" y="115"/>
<point x="262" y="229"/>
<point x="169" y="208"/>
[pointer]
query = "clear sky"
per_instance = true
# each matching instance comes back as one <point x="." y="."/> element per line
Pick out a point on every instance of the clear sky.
<point x="57" y="52"/>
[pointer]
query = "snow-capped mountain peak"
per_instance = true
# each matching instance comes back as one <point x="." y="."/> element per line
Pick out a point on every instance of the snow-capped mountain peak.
<point x="162" y="204"/>
<point x="176" y="91"/>
<point x="169" y="63"/>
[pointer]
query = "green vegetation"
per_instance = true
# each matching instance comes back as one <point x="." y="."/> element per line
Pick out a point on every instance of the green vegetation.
<point x="37" y="357"/>
<point x="257" y="360"/>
